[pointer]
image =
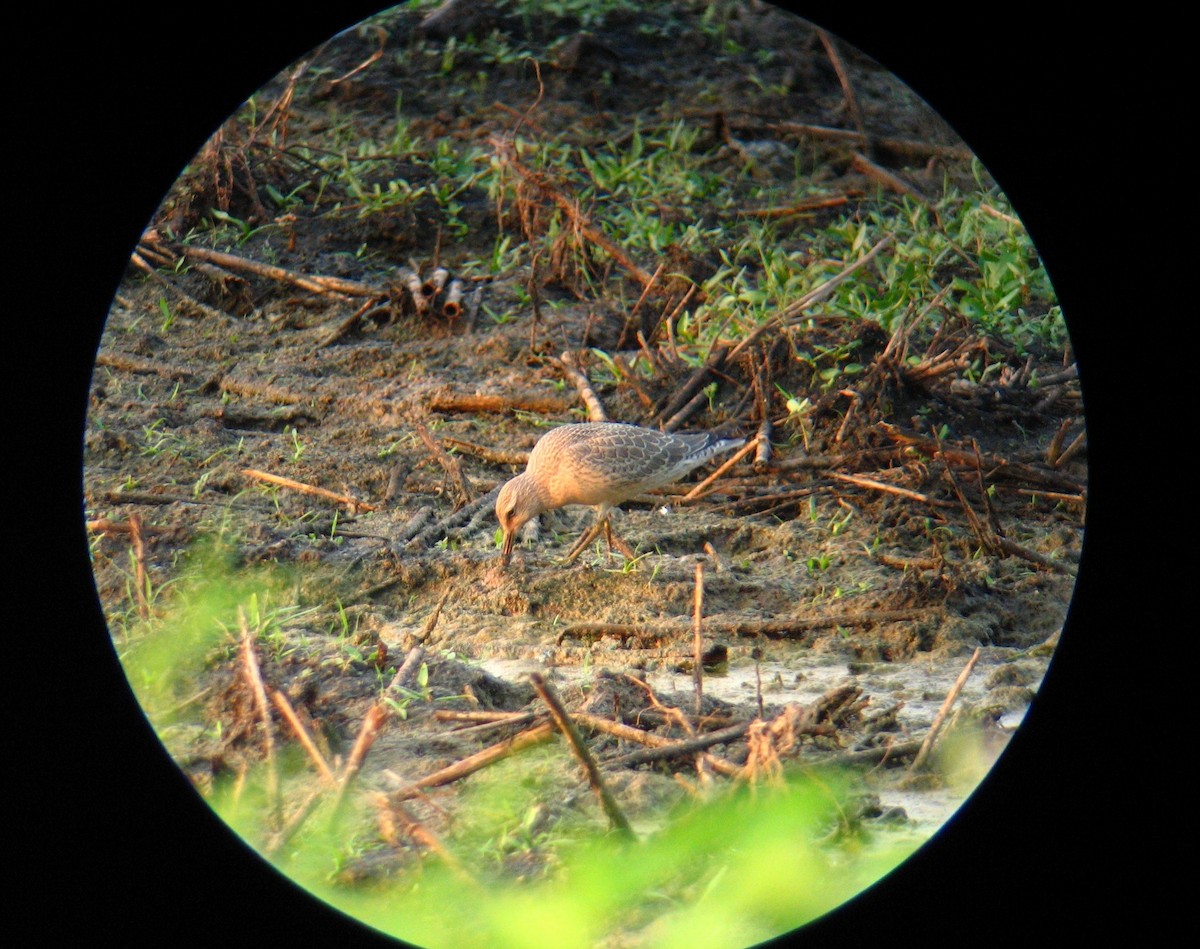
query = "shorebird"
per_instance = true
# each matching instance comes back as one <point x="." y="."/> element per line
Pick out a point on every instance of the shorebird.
<point x="599" y="464"/>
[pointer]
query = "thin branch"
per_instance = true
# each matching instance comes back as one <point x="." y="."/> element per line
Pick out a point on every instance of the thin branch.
<point x="449" y="464"/>
<point x="139" y="559"/>
<point x="571" y="368"/>
<point x="496" y="456"/>
<point x="412" y="662"/>
<point x="314" y="284"/>
<point x="648" y="739"/>
<point x="697" y="629"/>
<point x="940" y="718"/>
<point x="259" y="691"/>
<point x="815" y="295"/>
<point x="372" y="722"/>
<point x="302" y="735"/>
<point x="699" y="490"/>
<point x="679" y="749"/>
<point x="844" y="79"/>
<point x="353" y="503"/>
<point x="479" y="402"/>
<point x="563" y="721"/>
<point x="889" y="489"/>
<point x="538" y="734"/>
<point x="904" y="147"/>
<point x="892" y="182"/>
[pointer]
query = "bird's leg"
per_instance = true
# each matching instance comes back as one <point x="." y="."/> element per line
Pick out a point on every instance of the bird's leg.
<point x="620" y="544"/>
<point x="586" y="538"/>
<point x="614" y="540"/>
<point x="600" y="524"/>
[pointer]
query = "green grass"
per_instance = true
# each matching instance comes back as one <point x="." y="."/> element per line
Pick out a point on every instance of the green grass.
<point x="743" y="867"/>
<point x="736" y="866"/>
<point x="664" y="187"/>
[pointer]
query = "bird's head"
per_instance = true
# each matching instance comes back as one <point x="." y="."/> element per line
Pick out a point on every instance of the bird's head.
<point x="517" y="502"/>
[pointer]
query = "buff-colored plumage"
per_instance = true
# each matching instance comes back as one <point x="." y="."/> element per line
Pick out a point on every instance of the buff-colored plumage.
<point x="599" y="464"/>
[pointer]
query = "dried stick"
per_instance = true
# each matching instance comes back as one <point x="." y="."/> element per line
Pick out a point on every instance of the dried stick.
<point x="127" y="363"/>
<point x="353" y="503"/>
<point x="1000" y="215"/>
<point x="844" y="79"/>
<point x="677" y="749"/>
<point x="345" y="326"/>
<point x="381" y="35"/>
<point x="570" y="364"/>
<point x="317" y="284"/>
<point x="1078" y="444"/>
<point x="668" y="712"/>
<point x="1054" y="449"/>
<point x="538" y="734"/>
<point x="473" y="309"/>
<point x="412" y="661"/>
<point x="983" y="536"/>
<point x="996" y="465"/>
<point x="414" y="525"/>
<point x="865" y="166"/>
<point x="294" y="823"/>
<point x="251" y="387"/>
<point x="563" y="721"/>
<point x="302" y="735"/>
<point x="645" y="292"/>
<point x="699" y="492"/>
<point x="716" y="359"/>
<point x="187" y="298"/>
<point x="776" y="498"/>
<point x="469" y="515"/>
<point x="815" y="295"/>
<point x="259" y="691"/>
<point x="139" y="559"/>
<point x="434" y="615"/>
<point x="1012" y="547"/>
<point x="449" y="464"/>
<point x="649" y="739"/>
<point x="900" y="749"/>
<point x="483" y="717"/>
<point x="686" y="412"/>
<point x="802" y="207"/>
<point x="889" y="489"/>
<point x="579" y="221"/>
<point x="106" y="526"/>
<point x="372" y="722"/>
<point x="940" y="718"/>
<point x="908" y="148"/>
<point x="521" y="402"/>
<point x="497" y="456"/>
<point x="388" y="810"/>
<point x="147" y="497"/>
<point x="697" y="627"/>
<point x="416" y="289"/>
<point x="855" y="402"/>
<point x="762" y="441"/>
<point x="757" y="655"/>
<point x="437" y="281"/>
<point x="452" y="305"/>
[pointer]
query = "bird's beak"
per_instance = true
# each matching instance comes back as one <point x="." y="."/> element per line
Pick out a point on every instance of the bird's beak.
<point x="510" y="538"/>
